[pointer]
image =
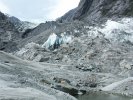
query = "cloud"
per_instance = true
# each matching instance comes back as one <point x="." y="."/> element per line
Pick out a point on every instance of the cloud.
<point x="37" y="21"/>
<point x="37" y="10"/>
<point x="4" y="8"/>
<point x="62" y="7"/>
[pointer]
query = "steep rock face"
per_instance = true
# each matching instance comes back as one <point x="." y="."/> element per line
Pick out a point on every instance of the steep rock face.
<point x="98" y="10"/>
<point x="83" y="7"/>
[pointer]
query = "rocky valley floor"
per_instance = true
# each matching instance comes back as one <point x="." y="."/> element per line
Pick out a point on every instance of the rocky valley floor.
<point x="28" y="80"/>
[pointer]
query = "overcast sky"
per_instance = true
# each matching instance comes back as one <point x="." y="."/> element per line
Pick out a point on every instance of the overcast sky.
<point x="37" y="10"/>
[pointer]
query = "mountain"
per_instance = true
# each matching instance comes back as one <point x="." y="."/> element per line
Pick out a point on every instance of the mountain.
<point x="98" y="10"/>
<point x="11" y="31"/>
<point x="88" y="12"/>
<point x="88" y="49"/>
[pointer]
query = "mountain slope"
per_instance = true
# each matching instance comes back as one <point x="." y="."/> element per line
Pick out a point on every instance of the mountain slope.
<point x="98" y="10"/>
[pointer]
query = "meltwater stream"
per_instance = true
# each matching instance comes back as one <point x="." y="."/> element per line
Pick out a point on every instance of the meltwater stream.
<point x="96" y="96"/>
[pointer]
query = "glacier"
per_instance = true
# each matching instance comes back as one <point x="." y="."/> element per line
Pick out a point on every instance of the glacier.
<point x="115" y="31"/>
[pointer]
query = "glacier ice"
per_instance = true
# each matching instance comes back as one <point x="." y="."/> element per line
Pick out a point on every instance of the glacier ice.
<point x="121" y="30"/>
<point x="54" y="40"/>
